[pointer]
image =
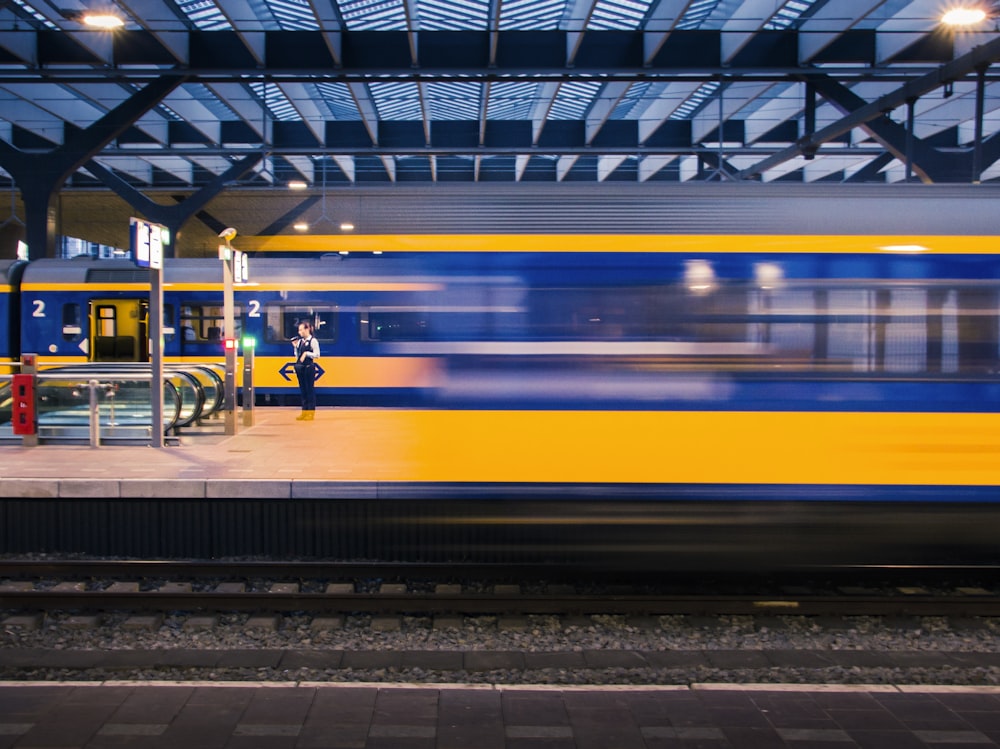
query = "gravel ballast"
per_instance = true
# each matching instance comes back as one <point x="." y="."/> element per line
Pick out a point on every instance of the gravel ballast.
<point x="533" y="649"/>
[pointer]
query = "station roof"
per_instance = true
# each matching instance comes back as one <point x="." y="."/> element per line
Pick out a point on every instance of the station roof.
<point x="366" y="92"/>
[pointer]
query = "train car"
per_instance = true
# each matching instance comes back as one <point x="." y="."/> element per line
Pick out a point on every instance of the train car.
<point x="844" y="388"/>
<point x="10" y="331"/>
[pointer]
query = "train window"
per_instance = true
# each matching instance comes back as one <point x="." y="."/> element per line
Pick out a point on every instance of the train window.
<point x="396" y="325"/>
<point x="169" y="322"/>
<point x="107" y="321"/>
<point x="281" y="322"/>
<point x="72" y="322"/>
<point x="459" y="322"/>
<point x="202" y="323"/>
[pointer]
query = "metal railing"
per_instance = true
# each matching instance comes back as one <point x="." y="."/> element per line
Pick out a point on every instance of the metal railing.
<point x="111" y="401"/>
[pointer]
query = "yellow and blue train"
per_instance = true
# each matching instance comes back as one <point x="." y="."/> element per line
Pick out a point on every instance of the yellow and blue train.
<point x="834" y="372"/>
<point x="749" y="360"/>
<point x="664" y="322"/>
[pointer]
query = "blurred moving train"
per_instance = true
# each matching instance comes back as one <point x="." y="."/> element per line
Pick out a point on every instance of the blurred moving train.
<point x="858" y="375"/>
<point x="733" y="322"/>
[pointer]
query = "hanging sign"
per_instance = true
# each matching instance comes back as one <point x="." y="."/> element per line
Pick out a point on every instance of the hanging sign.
<point x="147" y="240"/>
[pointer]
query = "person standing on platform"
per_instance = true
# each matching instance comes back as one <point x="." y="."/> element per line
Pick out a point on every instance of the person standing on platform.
<point x="306" y="353"/>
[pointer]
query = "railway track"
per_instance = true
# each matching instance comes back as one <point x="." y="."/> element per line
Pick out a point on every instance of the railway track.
<point x="441" y="590"/>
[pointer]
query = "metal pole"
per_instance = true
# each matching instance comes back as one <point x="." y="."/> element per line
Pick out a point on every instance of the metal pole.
<point x="95" y="416"/>
<point x="156" y="356"/>
<point x="909" y="138"/>
<point x="228" y="333"/>
<point x="977" y="139"/>
<point x="248" y="396"/>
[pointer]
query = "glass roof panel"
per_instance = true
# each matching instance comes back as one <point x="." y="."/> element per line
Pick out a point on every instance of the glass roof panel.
<point x="204" y="14"/>
<point x="573" y="100"/>
<point x="207" y="98"/>
<point x="293" y="15"/>
<point x="789" y="14"/>
<point x="396" y="101"/>
<point x="275" y="102"/>
<point x="374" y="15"/>
<point x="695" y="101"/>
<point x="35" y="15"/>
<point x="698" y="13"/>
<point x="512" y="101"/>
<point x="619" y="15"/>
<point x="635" y="95"/>
<point x="337" y="97"/>
<point x="531" y="15"/>
<point x="453" y="101"/>
<point x="453" y="15"/>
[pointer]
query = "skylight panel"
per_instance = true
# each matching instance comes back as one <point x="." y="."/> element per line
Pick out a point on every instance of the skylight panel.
<point x="374" y="15"/>
<point x="276" y="102"/>
<point x="168" y="113"/>
<point x="208" y="100"/>
<point x="205" y="15"/>
<point x="511" y="101"/>
<point x="293" y="15"/>
<point x="789" y="14"/>
<point x="454" y="101"/>
<point x="573" y="100"/>
<point x="338" y="100"/>
<point x="453" y="15"/>
<point x="636" y="93"/>
<point x="698" y="13"/>
<point x="531" y="15"/>
<point x="695" y="101"/>
<point x="396" y="101"/>
<point x="618" y="15"/>
<point x="36" y="15"/>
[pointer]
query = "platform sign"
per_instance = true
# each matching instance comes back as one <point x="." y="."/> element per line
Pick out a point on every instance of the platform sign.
<point x="241" y="266"/>
<point x="147" y="240"/>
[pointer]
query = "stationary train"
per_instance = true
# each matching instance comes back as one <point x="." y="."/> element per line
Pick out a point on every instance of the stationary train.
<point x="858" y="376"/>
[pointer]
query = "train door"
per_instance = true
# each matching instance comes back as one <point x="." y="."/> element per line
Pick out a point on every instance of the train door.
<point x="119" y="330"/>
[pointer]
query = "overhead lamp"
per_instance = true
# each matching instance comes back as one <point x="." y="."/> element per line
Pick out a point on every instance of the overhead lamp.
<point x="301" y="226"/>
<point x="347" y="226"/>
<point x="967" y="16"/>
<point x="105" y="21"/>
<point x="297" y="184"/>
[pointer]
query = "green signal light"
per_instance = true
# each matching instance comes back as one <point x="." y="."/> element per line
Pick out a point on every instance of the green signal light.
<point x="249" y="341"/>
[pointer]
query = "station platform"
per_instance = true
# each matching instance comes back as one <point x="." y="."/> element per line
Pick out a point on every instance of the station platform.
<point x="200" y="715"/>
<point x="344" y="452"/>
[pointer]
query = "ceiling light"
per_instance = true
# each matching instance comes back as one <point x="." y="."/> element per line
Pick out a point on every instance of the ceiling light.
<point x="964" y="16"/>
<point x="297" y="184"/>
<point x="347" y="226"/>
<point x="103" y="21"/>
<point x="301" y="226"/>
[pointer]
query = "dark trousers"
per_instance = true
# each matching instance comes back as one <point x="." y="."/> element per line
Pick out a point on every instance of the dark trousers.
<point x="306" y="374"/>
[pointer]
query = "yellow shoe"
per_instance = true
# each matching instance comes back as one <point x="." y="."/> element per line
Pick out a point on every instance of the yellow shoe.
<point x="310" y="415"/>
<point x="302" y="416"/>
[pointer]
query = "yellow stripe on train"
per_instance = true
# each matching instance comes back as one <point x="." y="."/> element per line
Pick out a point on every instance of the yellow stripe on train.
<point x="666" y="243"/>
<point x="734" y="447"/>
